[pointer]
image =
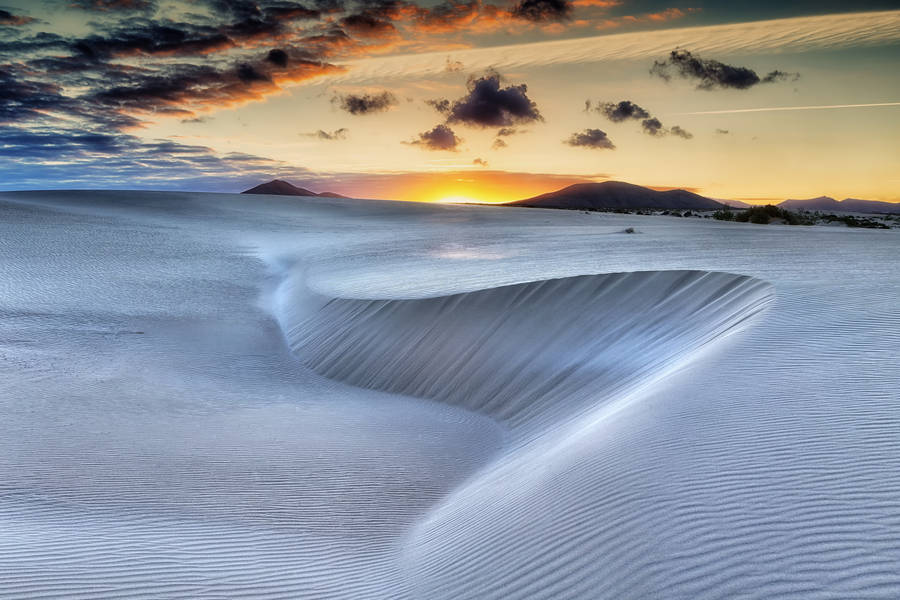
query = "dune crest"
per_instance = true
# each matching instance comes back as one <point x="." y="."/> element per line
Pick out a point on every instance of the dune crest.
<point x="528" y="354"/>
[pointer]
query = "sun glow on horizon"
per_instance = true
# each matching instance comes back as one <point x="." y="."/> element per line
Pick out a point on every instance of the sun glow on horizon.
<point x="460" y="200"/>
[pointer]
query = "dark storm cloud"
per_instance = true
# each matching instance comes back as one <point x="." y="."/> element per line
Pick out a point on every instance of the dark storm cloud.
<point x="248" y="10"/>
<point x="182" y="88"/>
<point x="25" y="144"/>
<point x="277" y="57"/>
<point x="489" y="105"/>
<point x="776" y="75"/>
<point x="143" y="36"/>
<point x="248" y="20"/>
<point x="541" y="11"/>
<point x="621" y="111"/>
<point x="173" y="87"/>
<point x="439" y="138"/>
<point x="451" y="15"/>
<point x="237" y="22"/>
<point x="110" y="5"/>
<point x="591" y="138"/>
<point x="10" y="20"/>
<point x="22" y="47"/>
<point x="625" y="110"/>
<point x="44" y="69"/>
<point x="442" y="105"/>
<point x="499" y="142"/>
<point x="70" y="144"/>
<point x="364" y="104"/>
<point x="373" y="18"/>
<point x="50" y="67"/>
<point x="712" y="74"/>
<point x="367" y="26"/>
<point x="653" y="127"/>
<point x="248" y="74"/>
<point x="679" y="132"/>
<point x="337" y="134"/>
<point x="22" y="98"/>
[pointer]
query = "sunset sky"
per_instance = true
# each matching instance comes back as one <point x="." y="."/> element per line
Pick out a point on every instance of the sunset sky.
<point x="452" y="100"/>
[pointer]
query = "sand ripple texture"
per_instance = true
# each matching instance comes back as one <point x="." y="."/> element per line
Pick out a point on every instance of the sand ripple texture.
<point x="216" y="396"/>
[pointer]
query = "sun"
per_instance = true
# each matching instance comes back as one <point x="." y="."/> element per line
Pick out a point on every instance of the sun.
<point x="459" y="200"/>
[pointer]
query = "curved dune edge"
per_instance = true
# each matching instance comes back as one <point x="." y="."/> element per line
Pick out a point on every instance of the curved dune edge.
<point x="530" y="354"/>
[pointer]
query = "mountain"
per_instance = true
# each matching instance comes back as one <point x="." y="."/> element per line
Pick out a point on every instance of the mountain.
<point x="617" y="194"/>
<point x="278" y="187"/>
<point x="823" y="203"/>
<point x="826" y="204"/>
<point x="735" y="203"/>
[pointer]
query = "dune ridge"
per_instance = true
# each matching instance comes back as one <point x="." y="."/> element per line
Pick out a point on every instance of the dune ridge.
<point x="528" y="354"/>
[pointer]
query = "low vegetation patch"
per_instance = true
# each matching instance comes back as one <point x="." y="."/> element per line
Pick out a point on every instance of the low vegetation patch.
<point x="852" y="221"/>
<point x="764" y="215"/>
<point x="768" y="213"/>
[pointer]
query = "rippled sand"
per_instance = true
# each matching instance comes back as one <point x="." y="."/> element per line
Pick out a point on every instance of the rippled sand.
<point x="218" y="396"/>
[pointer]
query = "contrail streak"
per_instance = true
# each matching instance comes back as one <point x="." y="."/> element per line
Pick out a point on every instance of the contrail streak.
<point x="774" y="108"/>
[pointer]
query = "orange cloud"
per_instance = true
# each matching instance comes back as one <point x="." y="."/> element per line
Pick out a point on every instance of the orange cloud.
<point x="659" y="17"/>
<point x="455" y="17"/>
<point x="669" y="14"/>
<point x="597" y="3"/>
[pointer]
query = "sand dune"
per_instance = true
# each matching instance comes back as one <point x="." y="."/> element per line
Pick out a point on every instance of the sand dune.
<point x="529" y="354"/>
<point x="210" y="397"/>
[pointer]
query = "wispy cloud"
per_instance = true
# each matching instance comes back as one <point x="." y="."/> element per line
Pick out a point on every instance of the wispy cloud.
<point x="794" y="34"/>
<point x="778" y="108"/>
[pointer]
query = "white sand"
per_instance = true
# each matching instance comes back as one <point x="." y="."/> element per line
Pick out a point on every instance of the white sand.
<point x="216" y="396"/>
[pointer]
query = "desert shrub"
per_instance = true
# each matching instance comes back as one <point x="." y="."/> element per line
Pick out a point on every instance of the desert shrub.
<point x="852" y="221"/>
<point x="801" y="218"/>
<point x="760" y="217"/>
<point x="724" y="215"/>
<point x="765" y="214"/>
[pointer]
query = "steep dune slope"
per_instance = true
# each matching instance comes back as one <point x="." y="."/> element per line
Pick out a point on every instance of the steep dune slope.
<point x="527" y="354"/>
